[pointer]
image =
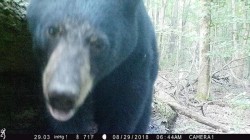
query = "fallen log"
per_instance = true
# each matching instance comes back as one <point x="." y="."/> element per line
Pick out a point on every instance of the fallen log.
<point x="170" y="101"/>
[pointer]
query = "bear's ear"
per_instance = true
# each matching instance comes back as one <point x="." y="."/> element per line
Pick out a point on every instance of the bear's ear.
<point x="131" y="6"/>
<point x="34" y="14"/>
<point x="133" y="3"/>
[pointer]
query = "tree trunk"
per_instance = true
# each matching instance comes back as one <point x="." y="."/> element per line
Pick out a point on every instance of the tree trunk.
<point x="162" y="34"/>
<point x="204" y="60"/>
<point x="174" y="22"/>
<point x="238" y="71"/>
<point x="246" y="36"/>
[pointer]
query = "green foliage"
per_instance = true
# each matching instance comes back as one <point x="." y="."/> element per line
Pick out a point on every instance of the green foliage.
<point x="240" y="101"/>
<point x="186" y="36"/>
<point x="223" y="46"/>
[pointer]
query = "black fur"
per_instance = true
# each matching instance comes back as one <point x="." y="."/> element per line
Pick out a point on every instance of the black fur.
<point x="124" y="69"/>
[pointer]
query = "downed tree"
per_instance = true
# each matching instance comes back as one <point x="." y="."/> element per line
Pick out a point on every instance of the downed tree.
<point x="19" y="76"/>
<point x="15" y="41"/>
<point x="166" y="116"/>
<point x="169" y="101"/>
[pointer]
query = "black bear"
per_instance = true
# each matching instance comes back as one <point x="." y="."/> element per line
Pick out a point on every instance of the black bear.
<point x="98" y="63"/>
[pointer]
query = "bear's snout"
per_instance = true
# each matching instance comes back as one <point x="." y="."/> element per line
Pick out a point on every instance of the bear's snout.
<point x="66" y="80"/>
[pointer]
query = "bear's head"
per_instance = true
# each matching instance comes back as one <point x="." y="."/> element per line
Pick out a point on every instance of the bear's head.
<point x="77" y="43"/>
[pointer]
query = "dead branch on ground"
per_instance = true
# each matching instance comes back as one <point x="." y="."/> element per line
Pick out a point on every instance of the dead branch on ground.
<point x="168" y="100"/>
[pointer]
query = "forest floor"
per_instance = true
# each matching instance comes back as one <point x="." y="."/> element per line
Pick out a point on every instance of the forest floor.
<point x="228" y="105"/>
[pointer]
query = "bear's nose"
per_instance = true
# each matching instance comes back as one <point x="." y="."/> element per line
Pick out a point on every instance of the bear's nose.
<point x="62" y="101"/>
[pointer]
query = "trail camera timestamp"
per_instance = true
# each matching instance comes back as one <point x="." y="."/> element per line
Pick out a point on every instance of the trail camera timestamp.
<point x="168" y="137"/>
<point x="130" y="137"/>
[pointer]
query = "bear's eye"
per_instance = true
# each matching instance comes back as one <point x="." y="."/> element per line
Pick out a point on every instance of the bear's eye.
<point x="96" y="43"/>
<point x="54" y="31"/>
